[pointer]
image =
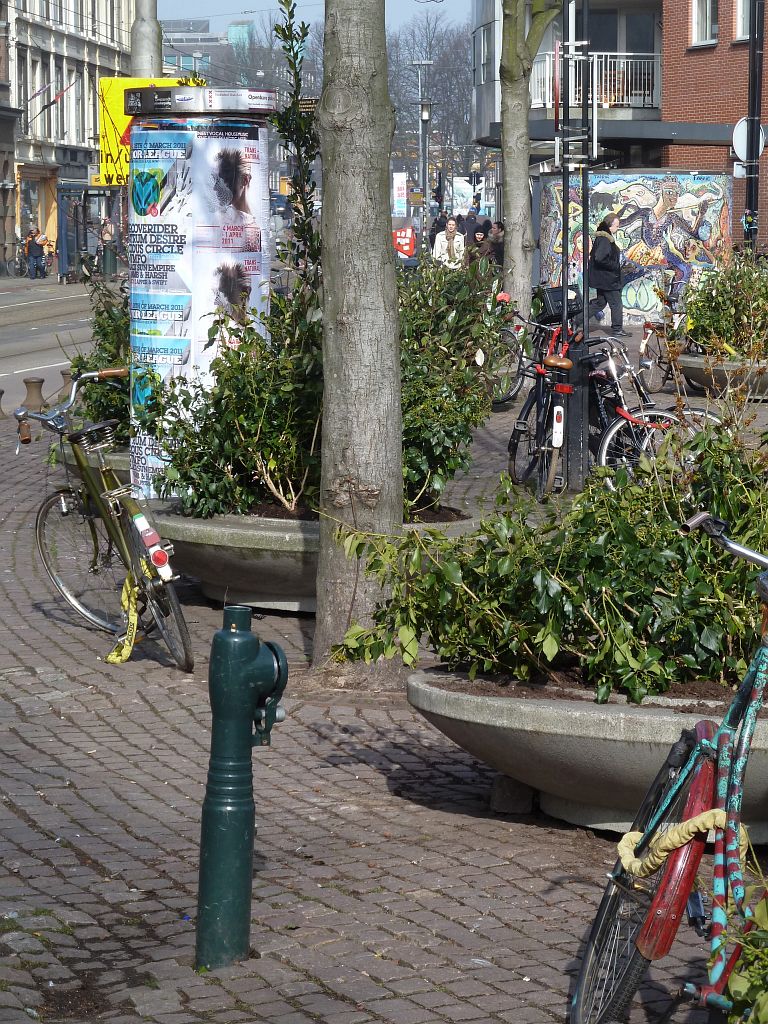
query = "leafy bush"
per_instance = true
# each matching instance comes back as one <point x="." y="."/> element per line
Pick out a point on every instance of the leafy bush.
<point x="611" y="587"/>
<point x="748" y="985"/>
<point x="727" y="308"/>
<point x="253" y="438"/>
<point x="111" y="337"/>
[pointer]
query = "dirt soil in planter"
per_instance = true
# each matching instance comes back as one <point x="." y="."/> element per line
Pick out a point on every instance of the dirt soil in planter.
<point x="266" y="510"/>
<point x="694" y="698"/>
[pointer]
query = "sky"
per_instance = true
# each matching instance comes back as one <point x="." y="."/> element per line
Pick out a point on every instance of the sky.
<point x="397" y="11"/>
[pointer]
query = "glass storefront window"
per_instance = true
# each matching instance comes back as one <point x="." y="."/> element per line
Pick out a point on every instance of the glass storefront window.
<point x="30" y="206"/>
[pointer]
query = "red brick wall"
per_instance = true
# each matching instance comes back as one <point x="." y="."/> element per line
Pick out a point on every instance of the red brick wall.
<point x="709" y="85"/>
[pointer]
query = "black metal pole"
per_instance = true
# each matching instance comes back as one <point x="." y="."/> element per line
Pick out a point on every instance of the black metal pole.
<point x="578" y="403"/>
<point x="565" y="131"/>
<point x="756" y="35"/>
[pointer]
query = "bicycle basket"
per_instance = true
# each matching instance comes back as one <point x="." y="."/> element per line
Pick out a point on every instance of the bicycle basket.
<point x="552" y="304"/>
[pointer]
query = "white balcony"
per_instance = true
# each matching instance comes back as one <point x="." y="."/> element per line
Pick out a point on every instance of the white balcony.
<point x="624" y="80"/>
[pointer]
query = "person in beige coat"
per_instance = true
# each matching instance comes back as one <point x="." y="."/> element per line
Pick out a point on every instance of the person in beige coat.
<point x="449" y="245"/>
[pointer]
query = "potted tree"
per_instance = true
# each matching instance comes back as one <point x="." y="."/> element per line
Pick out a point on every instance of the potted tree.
<point x="725" y="330"/>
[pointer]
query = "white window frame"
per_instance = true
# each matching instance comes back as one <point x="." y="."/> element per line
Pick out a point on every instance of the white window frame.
<point x="741" y="28"/>
<point x="704" y="21"/>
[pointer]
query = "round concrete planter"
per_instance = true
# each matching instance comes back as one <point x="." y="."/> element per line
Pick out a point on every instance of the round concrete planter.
<point x="590" y="763"/>
<point x="267" y="563"/>
<point x="718" y="376"/>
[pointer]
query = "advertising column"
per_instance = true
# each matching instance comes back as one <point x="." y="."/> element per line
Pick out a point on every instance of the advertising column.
<point x="198" y="245"/>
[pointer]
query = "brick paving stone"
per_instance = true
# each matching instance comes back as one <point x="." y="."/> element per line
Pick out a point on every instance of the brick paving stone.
<point x="381" y="878"/>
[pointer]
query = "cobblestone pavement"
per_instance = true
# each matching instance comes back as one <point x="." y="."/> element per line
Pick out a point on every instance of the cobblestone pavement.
<point x="384" y="888"/>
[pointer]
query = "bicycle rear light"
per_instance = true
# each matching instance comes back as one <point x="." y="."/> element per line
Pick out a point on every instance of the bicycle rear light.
<point x="558" y="426"/>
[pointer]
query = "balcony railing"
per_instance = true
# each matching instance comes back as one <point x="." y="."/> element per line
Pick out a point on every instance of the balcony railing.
<point x="623" y="80"/>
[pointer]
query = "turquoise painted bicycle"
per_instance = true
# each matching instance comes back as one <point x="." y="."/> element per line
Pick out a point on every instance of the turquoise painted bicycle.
<point x="657" y="879"/>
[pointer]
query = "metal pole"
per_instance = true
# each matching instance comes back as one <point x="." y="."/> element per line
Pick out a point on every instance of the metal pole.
<point x="424" y="181"/>
<point x="756" y="36"/>
<point x="146" y="41"/>
<point x="565" y="125"/>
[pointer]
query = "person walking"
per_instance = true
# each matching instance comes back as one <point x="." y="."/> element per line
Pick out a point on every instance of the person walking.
<point x="496" y="238"/>
<point x="477" y="248"/>
<point x="35" y="252"/>
<point x="449" y="245"/>
<point x="605" y="274"/>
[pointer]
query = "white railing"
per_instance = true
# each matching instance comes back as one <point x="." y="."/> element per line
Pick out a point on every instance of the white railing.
<point x="623" y="80"/>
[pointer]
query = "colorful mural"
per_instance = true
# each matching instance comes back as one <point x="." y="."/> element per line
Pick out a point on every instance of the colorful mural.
<point x="673" y="225"/>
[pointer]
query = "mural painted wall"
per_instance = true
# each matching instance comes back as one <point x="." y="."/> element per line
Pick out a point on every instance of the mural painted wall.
<point x="673" y="225"/>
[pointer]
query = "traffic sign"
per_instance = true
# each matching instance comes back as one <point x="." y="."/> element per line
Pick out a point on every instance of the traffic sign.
<point x="740" y="136"/>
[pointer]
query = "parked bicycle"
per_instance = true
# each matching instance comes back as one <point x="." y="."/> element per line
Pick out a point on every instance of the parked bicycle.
<point x="660" y="345"/>
<point x="17" y="265"/>
<point x="536" y="442"/>
<point x="700" y="784"/>
<point x="519" y="339"/>
<point x="99" y="550"/>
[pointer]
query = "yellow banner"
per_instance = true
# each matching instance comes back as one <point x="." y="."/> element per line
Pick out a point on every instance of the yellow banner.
<point x="115" y="125"/>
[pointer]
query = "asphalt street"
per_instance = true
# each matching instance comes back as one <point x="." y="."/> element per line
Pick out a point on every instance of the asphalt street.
<point x="43" y="324"/>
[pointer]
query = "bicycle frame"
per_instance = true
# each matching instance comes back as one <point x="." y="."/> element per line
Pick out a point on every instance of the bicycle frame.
<point x="729" y="748"/>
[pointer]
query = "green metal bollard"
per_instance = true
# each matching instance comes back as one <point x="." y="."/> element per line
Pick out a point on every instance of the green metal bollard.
<point x="246" y="680"/>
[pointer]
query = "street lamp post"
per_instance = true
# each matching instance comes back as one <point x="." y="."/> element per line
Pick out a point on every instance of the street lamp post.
<point x="419" y="64"/>
<point x="425" y="112"/>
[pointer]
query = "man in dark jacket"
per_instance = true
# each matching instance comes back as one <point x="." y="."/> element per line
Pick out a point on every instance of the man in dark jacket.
<point x="605" y="274"/>
<point x="35" y="253"/>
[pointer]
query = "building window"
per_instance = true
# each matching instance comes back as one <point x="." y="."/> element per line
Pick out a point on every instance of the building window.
<point x="112" y="20"/>
<point x="22" y="88"/>
<point x="59" y="106"/>
<point x="484" y="54"/>
<point x="742" y="19"/>
<point x="94" y="18"/>
<point x="704" y="21"/>
<point x="79" y="16"/>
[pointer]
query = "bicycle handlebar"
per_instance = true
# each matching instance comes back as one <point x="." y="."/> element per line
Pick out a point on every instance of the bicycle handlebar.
<point x="54" y="419"/>
<point x="715" y="528"/>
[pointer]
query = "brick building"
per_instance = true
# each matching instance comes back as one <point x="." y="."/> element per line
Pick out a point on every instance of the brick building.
<point x="705" y="66"/>
<point x="672" y="83"/>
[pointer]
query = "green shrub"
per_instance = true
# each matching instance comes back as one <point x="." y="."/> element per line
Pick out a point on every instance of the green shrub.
<point x="727" y="308"/>
<point x="254" y="437"/>
<point x="111" y="337"/>
<point x="611" y="587"/>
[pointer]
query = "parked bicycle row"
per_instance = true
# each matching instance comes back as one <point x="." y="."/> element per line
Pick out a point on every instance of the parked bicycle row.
<point x="623" y="422"/>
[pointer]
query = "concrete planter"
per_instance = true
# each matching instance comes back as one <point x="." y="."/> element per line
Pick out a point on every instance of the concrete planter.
<point x="590" y="764"/>
<point x="267" y="563"/>
<point x="119" y="459"/>
<point x="716" y="375"/>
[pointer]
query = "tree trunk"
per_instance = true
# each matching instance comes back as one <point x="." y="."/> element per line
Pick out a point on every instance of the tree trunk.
<point x="519" y="242"/>
<point x="517" y="52"/>
<point x="362" y="479"/>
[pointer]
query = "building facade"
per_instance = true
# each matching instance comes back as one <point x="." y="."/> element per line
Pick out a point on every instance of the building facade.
<point x="671" y="78"/>
<point x="57" y="52"/>
<point x="8" y="118"/>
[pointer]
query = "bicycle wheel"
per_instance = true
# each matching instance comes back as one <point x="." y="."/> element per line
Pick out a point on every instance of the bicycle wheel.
<point x="22" y="265"/>
<point x="625" y="441"/>
<point x="507" y="370"/>
<point x="159" y="597"/>
<point x="80" y="558"/>
<point x="12" y="267"/>
<point x="612" y="966"/>
<point x="548" y="468"/>
<point x="523" y="453"/>
<point x="654" y="365"/>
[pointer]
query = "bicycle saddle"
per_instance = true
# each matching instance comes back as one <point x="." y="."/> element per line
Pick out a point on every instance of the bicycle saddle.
<point x="558" y="362"/>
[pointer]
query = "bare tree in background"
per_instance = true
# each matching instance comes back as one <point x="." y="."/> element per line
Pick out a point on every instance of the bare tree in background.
<point x="362" y="480"/>
<point x="447" y="82"/>
<point x="518" y="50"/>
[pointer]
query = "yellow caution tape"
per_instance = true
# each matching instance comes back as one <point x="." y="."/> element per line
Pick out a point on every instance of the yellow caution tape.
<point x="121" y="652"/>
<point x="675" y="837"/>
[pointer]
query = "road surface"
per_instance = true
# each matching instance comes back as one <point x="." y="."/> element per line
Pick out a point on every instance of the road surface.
<point x="42" y="326"/>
